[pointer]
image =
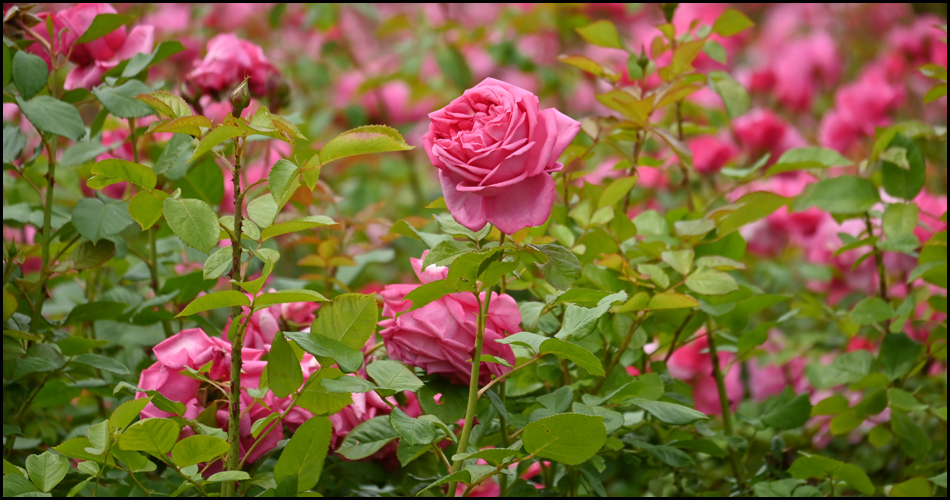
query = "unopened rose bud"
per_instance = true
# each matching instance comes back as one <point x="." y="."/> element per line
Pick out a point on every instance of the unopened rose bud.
<point x="240" y="99"/>
<point x="668" y="10"/>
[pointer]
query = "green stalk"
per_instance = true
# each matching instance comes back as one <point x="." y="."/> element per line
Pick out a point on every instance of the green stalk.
<point x="473" y="383"/>
<point x="724" y="404"/>
<point x="229" y="489"/>
<point x="47" y="236"/>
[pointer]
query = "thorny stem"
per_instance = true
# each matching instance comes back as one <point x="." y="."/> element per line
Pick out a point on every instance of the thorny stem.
<point x="637" y="146"/>
<point x="237" y="342"/>
<point x="879" y="260"/>
<point x="473" y="381"/>
<point x="616" y="359"/>
<point x="47" y="236"/>
<point x="723" y="402"/>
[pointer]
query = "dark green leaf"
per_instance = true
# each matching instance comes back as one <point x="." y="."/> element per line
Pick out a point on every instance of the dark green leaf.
<point x="843" y="195"/>
<point x="121" y="101"/>
<point x="349" y="359"/>
<point x="788" y="412"/>
<point x="569" y="438"/>
<point x="284" y="374"/>
<point x="194" y="222"/>
<point x="905" y="183"/>
<point x="194" y="450"/>
<point x="53" y="117"/>
<point x="97" y="220"/>
<point x="102" y="25"/>
<point x="30" y="73"/>
<point x="367" y="438"/>
<point x="304" y="455"/>
<point x="670" y="413"/>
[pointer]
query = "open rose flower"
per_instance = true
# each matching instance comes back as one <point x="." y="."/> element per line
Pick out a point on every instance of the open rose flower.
<point x="440" y="337"/>
<point x="228" y="61"/>
<point x="494" y="148"/>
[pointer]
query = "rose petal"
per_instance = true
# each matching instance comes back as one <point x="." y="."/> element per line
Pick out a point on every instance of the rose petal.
<point x="524" y="205"/>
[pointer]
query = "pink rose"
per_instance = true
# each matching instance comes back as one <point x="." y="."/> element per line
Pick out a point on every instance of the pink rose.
<point x="440" y="337"/>
<point x="228" y="61"/>
<point x="710" y="154"/>
<point x="692" y="364"/>
<point x="761" y="131"/>
<point x="494" y="148"/>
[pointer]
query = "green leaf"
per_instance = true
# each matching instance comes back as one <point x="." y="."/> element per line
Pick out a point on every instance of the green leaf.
<point x="127" y="412"/>
<point x="807" y="158"/>
<point x="287" y="297"/>
<point x="716" y="51"/>
<point x="900" y="182"/>
<point x="13" y="143"/>
<point x="752" y="207"/>
<point x="284" y="374"/>
<point x="317" y="399"/>
<point x="367" y="139"/>
<point x="788" y="412"/>
<point x="30" y="73"/>
<point x="349" y="359"/>
<point x="218" y="263"/>
<point x="813" y="467"/>
<point x="304" y="455"/>
<point x="898" y="355"/>
<point x="96" y="220"/>
<point x="194" y="222"/>
<point x="190" y="125"/>
<point x="53" y="117"/>
<point x="904" y="401"/>
<point x="562" y="268"/>
<point x="711" y="282"/>
<point x="917" y="487"/>
<point x="102" y="363"/>
<point x="871" y="310"/>
<point x="205" y="182"/>
<point x="670" y="413"/>
<point x="166" y="103"/>
<point x="855" y="477"/>
<point x="155" y="436"/>
<point x="102" y="25"/>
<point x="216" y="300"/>
<point x="349" y="318"/>
<point x="532" y="341"/>
<point x="494" y="456"/>
<point x="731" y="22"/>
<point x="579" y="322"/>
<point x="394" y="376"/>
<point x="914" y="442"/>
<point x="16" y="485"/>
<point x="214" y="137"/>
<point x="424" y="295"/>
<point x="846" y="194"/>
<point x="900" y="219"/>
<point x="349" y="384"/>
<point x="113" y="170"/>
<point x="121" y="102"/>
<point x="665" y="301"/>
<point x="935" y="92"/>
<point x="142" y="61"/>
<point x="367" y="438"/>
<point x="680" y="260"/>
<point x="296" y="225"/>
<point x="848" y="368"/>
<point x="601" y="33"/>
<point x="616" y="191"/>
<point x="940" y="480"/>
<point x="10" y="305"/>
<point x="573" y="352"/>
<point x="568" y="438"/>
<point x="734" y="96"/>
<point x="229" y="476"/>
<point x="46" y="470"/>
<point x="413" y="431"/>
<point x="194" y="450"/>
<point x="446" y="252"/>
<point x="280" y="177"/>
<point x="147" y="208"/>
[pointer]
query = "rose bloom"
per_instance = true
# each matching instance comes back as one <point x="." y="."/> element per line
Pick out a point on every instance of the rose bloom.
<point x="194" y="349"/>
<point x="692" y="364"/>
<point x="710" y="153"/>
<point x="494" y="148"/>
<point x="228" y="61"/>
<point x="93" y="58"/>
<point x="440" y="337"/>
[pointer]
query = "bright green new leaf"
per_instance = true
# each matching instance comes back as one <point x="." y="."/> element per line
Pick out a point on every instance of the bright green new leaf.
<point x="317" y="399"/>
<point x="363" y="140"/>
<point x="46" y="470"/>
<point x="711" y="282"/>
<point x="287" y="297"/>
<point x="671" y="301"/>
<point x="349" y="318"/>
<point x="846" y="194"/>
<point x="806" y="158"/>
<point x="166" y="103"/>
<point x="569" y="438"/>
<point x="229" y="476"/>
<point x="917" y="487"/>
<point x="752" y="207"/>
<point x="214" y="137"/>
<point x="871" y="310"/>
<point x="108" y="172"/>
<point x="127" y="412"/>
<point x="194" y="222"/>
<point x="155" y="436"/>
<point x="579" y="322"/>
<point x="680" y="260"/>
<point x="602" y="33"/>
<point x="216" y="300"/>
<point x="296" y="225"/>
<point x="731" y="22"/>
<point x="194" y="450"/>
<point x="146" y="208"/>
<point x="218" y="263"/>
